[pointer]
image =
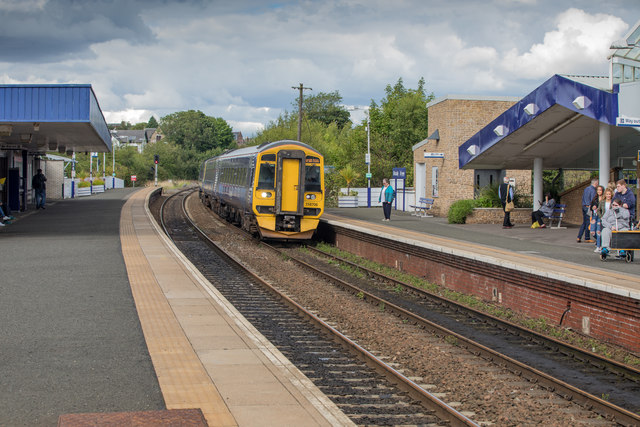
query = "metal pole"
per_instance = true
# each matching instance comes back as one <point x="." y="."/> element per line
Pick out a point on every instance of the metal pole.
<point x="369" y="162"/>
<point x="156" y="175"/>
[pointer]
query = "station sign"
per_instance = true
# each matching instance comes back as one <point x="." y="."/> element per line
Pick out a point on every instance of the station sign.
<point x="628" y="121"/>
<point x="134" y="178"/>
<point x="399" y="173"/>
<point x="369" y="175"/>
<point x="433" y="155"/>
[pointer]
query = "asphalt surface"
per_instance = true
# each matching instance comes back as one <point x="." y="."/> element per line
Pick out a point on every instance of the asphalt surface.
<point x="70" y="340"/>
<point x="557" y="244"/>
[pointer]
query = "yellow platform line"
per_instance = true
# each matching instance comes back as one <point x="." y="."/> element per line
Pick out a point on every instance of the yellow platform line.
<point x="183" y="380"/>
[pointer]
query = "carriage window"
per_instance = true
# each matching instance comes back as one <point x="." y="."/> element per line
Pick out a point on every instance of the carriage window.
<point x="267" y="177"/>
<point x="312" y="179"/>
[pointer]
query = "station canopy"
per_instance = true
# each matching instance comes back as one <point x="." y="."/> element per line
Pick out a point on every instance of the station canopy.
<point x="558" y="122"/>
<point x="41" y="118"/>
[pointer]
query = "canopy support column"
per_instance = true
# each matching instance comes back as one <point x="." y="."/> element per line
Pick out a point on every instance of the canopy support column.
<point x="537" y="183"/>
<point x="604" y="142"/>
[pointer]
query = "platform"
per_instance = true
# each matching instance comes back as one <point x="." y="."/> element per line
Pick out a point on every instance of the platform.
<point x="548" y="252"/>
<point x="102" y="315"/>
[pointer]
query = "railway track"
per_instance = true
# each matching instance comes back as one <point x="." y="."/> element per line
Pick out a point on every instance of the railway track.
<point x="609" y="388"/>
<point x="369" y="391"/>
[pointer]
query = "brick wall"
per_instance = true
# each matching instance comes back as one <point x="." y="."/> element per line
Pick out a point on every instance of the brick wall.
<point x="457" y="120"/>
<point x="54" y="171"/>
<point x="613" y="318"/>
<point x="496" y="216"/>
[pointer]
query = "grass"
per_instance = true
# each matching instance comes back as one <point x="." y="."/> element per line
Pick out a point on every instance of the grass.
<point x="540" y="325"/>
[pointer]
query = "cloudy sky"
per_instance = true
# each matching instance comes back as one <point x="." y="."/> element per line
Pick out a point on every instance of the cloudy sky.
<point x="238" y="59"/>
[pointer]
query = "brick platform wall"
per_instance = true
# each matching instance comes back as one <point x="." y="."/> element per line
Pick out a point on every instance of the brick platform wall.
<point x="603" y="315"/>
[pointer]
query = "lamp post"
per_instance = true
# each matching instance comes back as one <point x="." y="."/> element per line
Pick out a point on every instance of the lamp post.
<point x="368" y="159"/>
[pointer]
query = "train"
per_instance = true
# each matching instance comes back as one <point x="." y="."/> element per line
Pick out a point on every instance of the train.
<point x="274" y="190"/>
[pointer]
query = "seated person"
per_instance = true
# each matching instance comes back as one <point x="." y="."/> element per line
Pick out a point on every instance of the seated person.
<point x="616" y="218"/>
<point x="545" y="211"/>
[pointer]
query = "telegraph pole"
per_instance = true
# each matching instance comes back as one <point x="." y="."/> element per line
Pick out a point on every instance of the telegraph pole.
<point x="301" y="88"/>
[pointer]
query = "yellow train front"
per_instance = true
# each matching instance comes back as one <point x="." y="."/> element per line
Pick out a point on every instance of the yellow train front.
<point x="275" y="189"/>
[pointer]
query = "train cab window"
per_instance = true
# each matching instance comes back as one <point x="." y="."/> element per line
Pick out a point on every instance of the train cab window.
<point x="268" y="157"/>
<point x="267" y="176"/>
<point x="312" y="179"/>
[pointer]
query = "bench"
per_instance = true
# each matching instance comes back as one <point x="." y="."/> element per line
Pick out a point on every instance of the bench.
<point x="558" y="213"/>
<point x="422" y="208"/>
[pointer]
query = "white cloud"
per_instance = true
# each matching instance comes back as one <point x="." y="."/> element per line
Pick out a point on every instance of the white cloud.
<point x="128" y="115"/>
<point x="579" y="45"/>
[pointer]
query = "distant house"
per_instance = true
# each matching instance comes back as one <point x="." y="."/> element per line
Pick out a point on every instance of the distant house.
<point x="137" y="138"/>
<point x="238" y="138"/>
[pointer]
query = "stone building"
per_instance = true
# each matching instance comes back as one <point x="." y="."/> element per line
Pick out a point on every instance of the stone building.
<point x="452" y="121"/>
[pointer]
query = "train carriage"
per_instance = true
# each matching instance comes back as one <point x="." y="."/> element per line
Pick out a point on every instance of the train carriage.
<point x="275" y="189"/>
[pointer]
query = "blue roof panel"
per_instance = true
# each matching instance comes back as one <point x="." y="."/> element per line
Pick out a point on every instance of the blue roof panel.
<point x="599" y="105"/>
<point x="72" y="103"/>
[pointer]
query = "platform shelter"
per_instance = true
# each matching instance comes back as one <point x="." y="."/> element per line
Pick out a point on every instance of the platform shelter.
<point x="35" y="119"/>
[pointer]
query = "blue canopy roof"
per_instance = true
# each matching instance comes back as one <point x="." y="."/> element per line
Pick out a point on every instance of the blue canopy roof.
<point x="38" y="117"/>
<point x="558" y="122"/>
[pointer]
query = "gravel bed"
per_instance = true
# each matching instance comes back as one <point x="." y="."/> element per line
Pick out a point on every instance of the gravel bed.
<point x="488" y="393"/>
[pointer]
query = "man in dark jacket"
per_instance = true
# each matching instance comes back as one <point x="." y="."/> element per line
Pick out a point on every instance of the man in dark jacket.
<point x="505" y="192"/>
<point x="627" y="197"/>
<point x="40" y="187"/>
<point x="587" y="197"/>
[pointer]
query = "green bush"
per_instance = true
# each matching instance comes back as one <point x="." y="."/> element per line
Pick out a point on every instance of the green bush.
<point x="459" y="211"/>
<point x="98" y="182"/>
<point x="84" y="184"/>
<point x="488" y="197"/>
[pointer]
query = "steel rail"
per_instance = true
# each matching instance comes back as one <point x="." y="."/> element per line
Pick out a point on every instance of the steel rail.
<point x="600" y="406"/>
<point x="614" y="366"/>
<point x="431" y="402"/>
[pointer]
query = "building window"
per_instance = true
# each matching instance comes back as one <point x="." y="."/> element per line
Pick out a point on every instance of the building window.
<point x="434" y="181"/>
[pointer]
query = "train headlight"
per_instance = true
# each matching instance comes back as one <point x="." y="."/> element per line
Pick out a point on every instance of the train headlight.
<point x="311" y="196"/>
<point x="266" y="194"/>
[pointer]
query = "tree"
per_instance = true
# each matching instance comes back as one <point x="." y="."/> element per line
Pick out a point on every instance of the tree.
<point x="193" y="130"/>
<point x="326" y="108"/>
<point x="152" y="123"/>
<point x="349" y="175"/>
<point x="397" y="124"/>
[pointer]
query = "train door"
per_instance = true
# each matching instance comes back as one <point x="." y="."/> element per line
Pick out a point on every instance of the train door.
<point x="290" y="182"/>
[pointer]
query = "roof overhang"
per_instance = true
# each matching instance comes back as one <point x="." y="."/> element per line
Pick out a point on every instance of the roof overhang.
<point x="558" y="122"/>
<point x="40" y="118"/>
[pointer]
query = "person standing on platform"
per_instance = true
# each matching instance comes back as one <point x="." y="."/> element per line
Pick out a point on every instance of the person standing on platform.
<point x="40" y="188"/>
<point x="587" y="196"/>
<point x="505" y="192"/>
<point x="627" y="198"/>
<point x="387" y="194"/>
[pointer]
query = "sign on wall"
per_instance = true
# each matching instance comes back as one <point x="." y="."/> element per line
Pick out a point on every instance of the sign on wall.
<point x="433" y="155"/>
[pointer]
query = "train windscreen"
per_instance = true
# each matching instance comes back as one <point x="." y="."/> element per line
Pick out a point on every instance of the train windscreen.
<point x="312" y="179"/>
<point x="267" y="176"/>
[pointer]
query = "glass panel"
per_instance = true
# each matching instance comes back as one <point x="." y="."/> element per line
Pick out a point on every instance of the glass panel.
<point x="636" y="73"/>
<point x="617" y="73"/>
<point x="267" y="177"/>
<point x="312" y="179"/>
<point x="628" y="73"/>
